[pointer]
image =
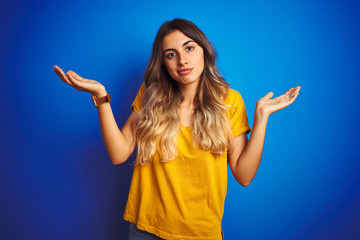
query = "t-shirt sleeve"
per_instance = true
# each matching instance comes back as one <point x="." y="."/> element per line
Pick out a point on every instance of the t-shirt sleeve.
<point x="137" y="103"/>
<point x="239" y="120"/>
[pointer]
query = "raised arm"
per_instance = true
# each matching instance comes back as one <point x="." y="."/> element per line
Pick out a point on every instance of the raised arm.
<point x="119" y="144"/>
<point x="245" y="157"/>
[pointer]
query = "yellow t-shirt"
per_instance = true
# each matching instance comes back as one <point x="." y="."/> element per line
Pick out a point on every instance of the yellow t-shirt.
<point x="184" y="198"/>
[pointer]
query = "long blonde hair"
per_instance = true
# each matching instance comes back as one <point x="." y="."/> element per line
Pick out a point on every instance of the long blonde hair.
<point x="157" y="124"/>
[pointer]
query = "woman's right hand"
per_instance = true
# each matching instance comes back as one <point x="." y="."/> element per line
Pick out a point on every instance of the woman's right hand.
<point x="81" y="84"/>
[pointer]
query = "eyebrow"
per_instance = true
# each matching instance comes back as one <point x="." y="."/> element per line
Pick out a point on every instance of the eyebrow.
<point x="184" y="44"/>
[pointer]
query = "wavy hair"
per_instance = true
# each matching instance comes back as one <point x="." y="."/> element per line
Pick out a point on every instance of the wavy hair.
<point x="157" y="124"/>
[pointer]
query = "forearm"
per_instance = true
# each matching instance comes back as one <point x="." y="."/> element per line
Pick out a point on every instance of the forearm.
<point x="117" y="147"/>
<point x="249" y="160"/>
<point x="245" y="164"/>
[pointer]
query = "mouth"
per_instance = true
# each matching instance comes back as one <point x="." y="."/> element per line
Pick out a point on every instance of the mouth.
<point x="184" y="71"/>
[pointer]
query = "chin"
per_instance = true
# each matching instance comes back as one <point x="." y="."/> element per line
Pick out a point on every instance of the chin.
<point x="185" y="81"/>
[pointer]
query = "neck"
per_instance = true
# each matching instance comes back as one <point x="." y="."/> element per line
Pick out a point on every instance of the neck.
<point x="188" y="92"/>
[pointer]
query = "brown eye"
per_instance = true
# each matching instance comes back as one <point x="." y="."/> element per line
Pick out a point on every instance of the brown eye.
<point x="170" y="55"/>
<point x="190" y="48"/>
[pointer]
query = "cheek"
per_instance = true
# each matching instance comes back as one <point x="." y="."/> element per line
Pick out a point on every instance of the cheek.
<point x="167" y="67"/>
<point x="201" y="62"/>
<point x="170" y="69"/>
<point x="200" y="57"/>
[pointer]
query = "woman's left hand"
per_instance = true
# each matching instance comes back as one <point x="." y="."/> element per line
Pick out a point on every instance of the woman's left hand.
<point x="267" y="106"/>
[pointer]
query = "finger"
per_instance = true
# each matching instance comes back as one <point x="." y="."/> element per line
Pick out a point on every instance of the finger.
<point x="290" y="91"/>
<point x="292" y="98"/>
<point x="61" y="75"/>
<point x="284" y="96"/>
<point x="295" y="92"/>
<point x="287" y="92"/>
<point x="286" y="100"/>
<point x="288" y="95"/>
<point x="58" y="70"/>
<point x="75" y="83"/>
<point x="76" y="76"/>
<point x="68" y="75"/>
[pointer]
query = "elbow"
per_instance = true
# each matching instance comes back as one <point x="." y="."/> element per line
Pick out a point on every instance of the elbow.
<point x="118" y="158"/>
<point x="244" y="178"/>
<point x="244" y="182"/>
<point x="117" y="161"/>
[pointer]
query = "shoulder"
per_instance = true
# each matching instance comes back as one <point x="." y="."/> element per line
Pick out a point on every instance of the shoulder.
<point x="233" y="98"/>
<point x="141" y="91"/>
<point x="137" y="103"/>
<point x="142" y="88"/>
<point x="237" y="112"/>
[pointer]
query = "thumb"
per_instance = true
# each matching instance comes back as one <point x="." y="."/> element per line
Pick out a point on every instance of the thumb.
<point x="269" y="95"/>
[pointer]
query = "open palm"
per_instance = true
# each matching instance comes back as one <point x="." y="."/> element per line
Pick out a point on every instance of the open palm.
<point x="268" y="106"/>
<point x="79" y="83"/>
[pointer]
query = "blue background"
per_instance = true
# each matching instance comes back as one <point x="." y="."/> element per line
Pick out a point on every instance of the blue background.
<point x="56" y="179"/>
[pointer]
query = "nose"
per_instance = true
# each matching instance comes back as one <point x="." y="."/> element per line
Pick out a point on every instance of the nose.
<point x="182" y="60"/>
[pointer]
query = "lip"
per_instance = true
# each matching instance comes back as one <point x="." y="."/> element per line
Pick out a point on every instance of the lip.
<point x="184" y="71"/>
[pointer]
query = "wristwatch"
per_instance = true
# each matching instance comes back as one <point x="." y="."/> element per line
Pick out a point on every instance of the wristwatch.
<point x="99" y="101"/>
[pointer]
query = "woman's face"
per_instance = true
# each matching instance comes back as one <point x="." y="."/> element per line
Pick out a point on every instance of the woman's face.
<point x="183" y="58"/>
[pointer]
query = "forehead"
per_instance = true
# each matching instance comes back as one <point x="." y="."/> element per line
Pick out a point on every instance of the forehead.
<point x="174" y="40"/>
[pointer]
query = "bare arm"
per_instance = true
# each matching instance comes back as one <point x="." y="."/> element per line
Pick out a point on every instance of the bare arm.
<point x="245" y="158"/>
<point x="119" y="144"/>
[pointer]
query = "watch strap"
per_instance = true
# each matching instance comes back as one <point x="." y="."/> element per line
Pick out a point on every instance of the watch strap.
<point x="98" y="101"/>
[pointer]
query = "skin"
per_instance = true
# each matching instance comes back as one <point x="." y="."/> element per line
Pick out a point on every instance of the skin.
<point x="119" y="144"/>
<point x="179" y="53"/>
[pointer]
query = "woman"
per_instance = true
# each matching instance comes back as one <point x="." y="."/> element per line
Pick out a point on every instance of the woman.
<point x="187" y="125"/>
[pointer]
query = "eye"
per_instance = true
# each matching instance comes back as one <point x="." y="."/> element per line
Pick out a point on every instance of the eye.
<point x="170" y="55"/>
<point x="189" y="48"/>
